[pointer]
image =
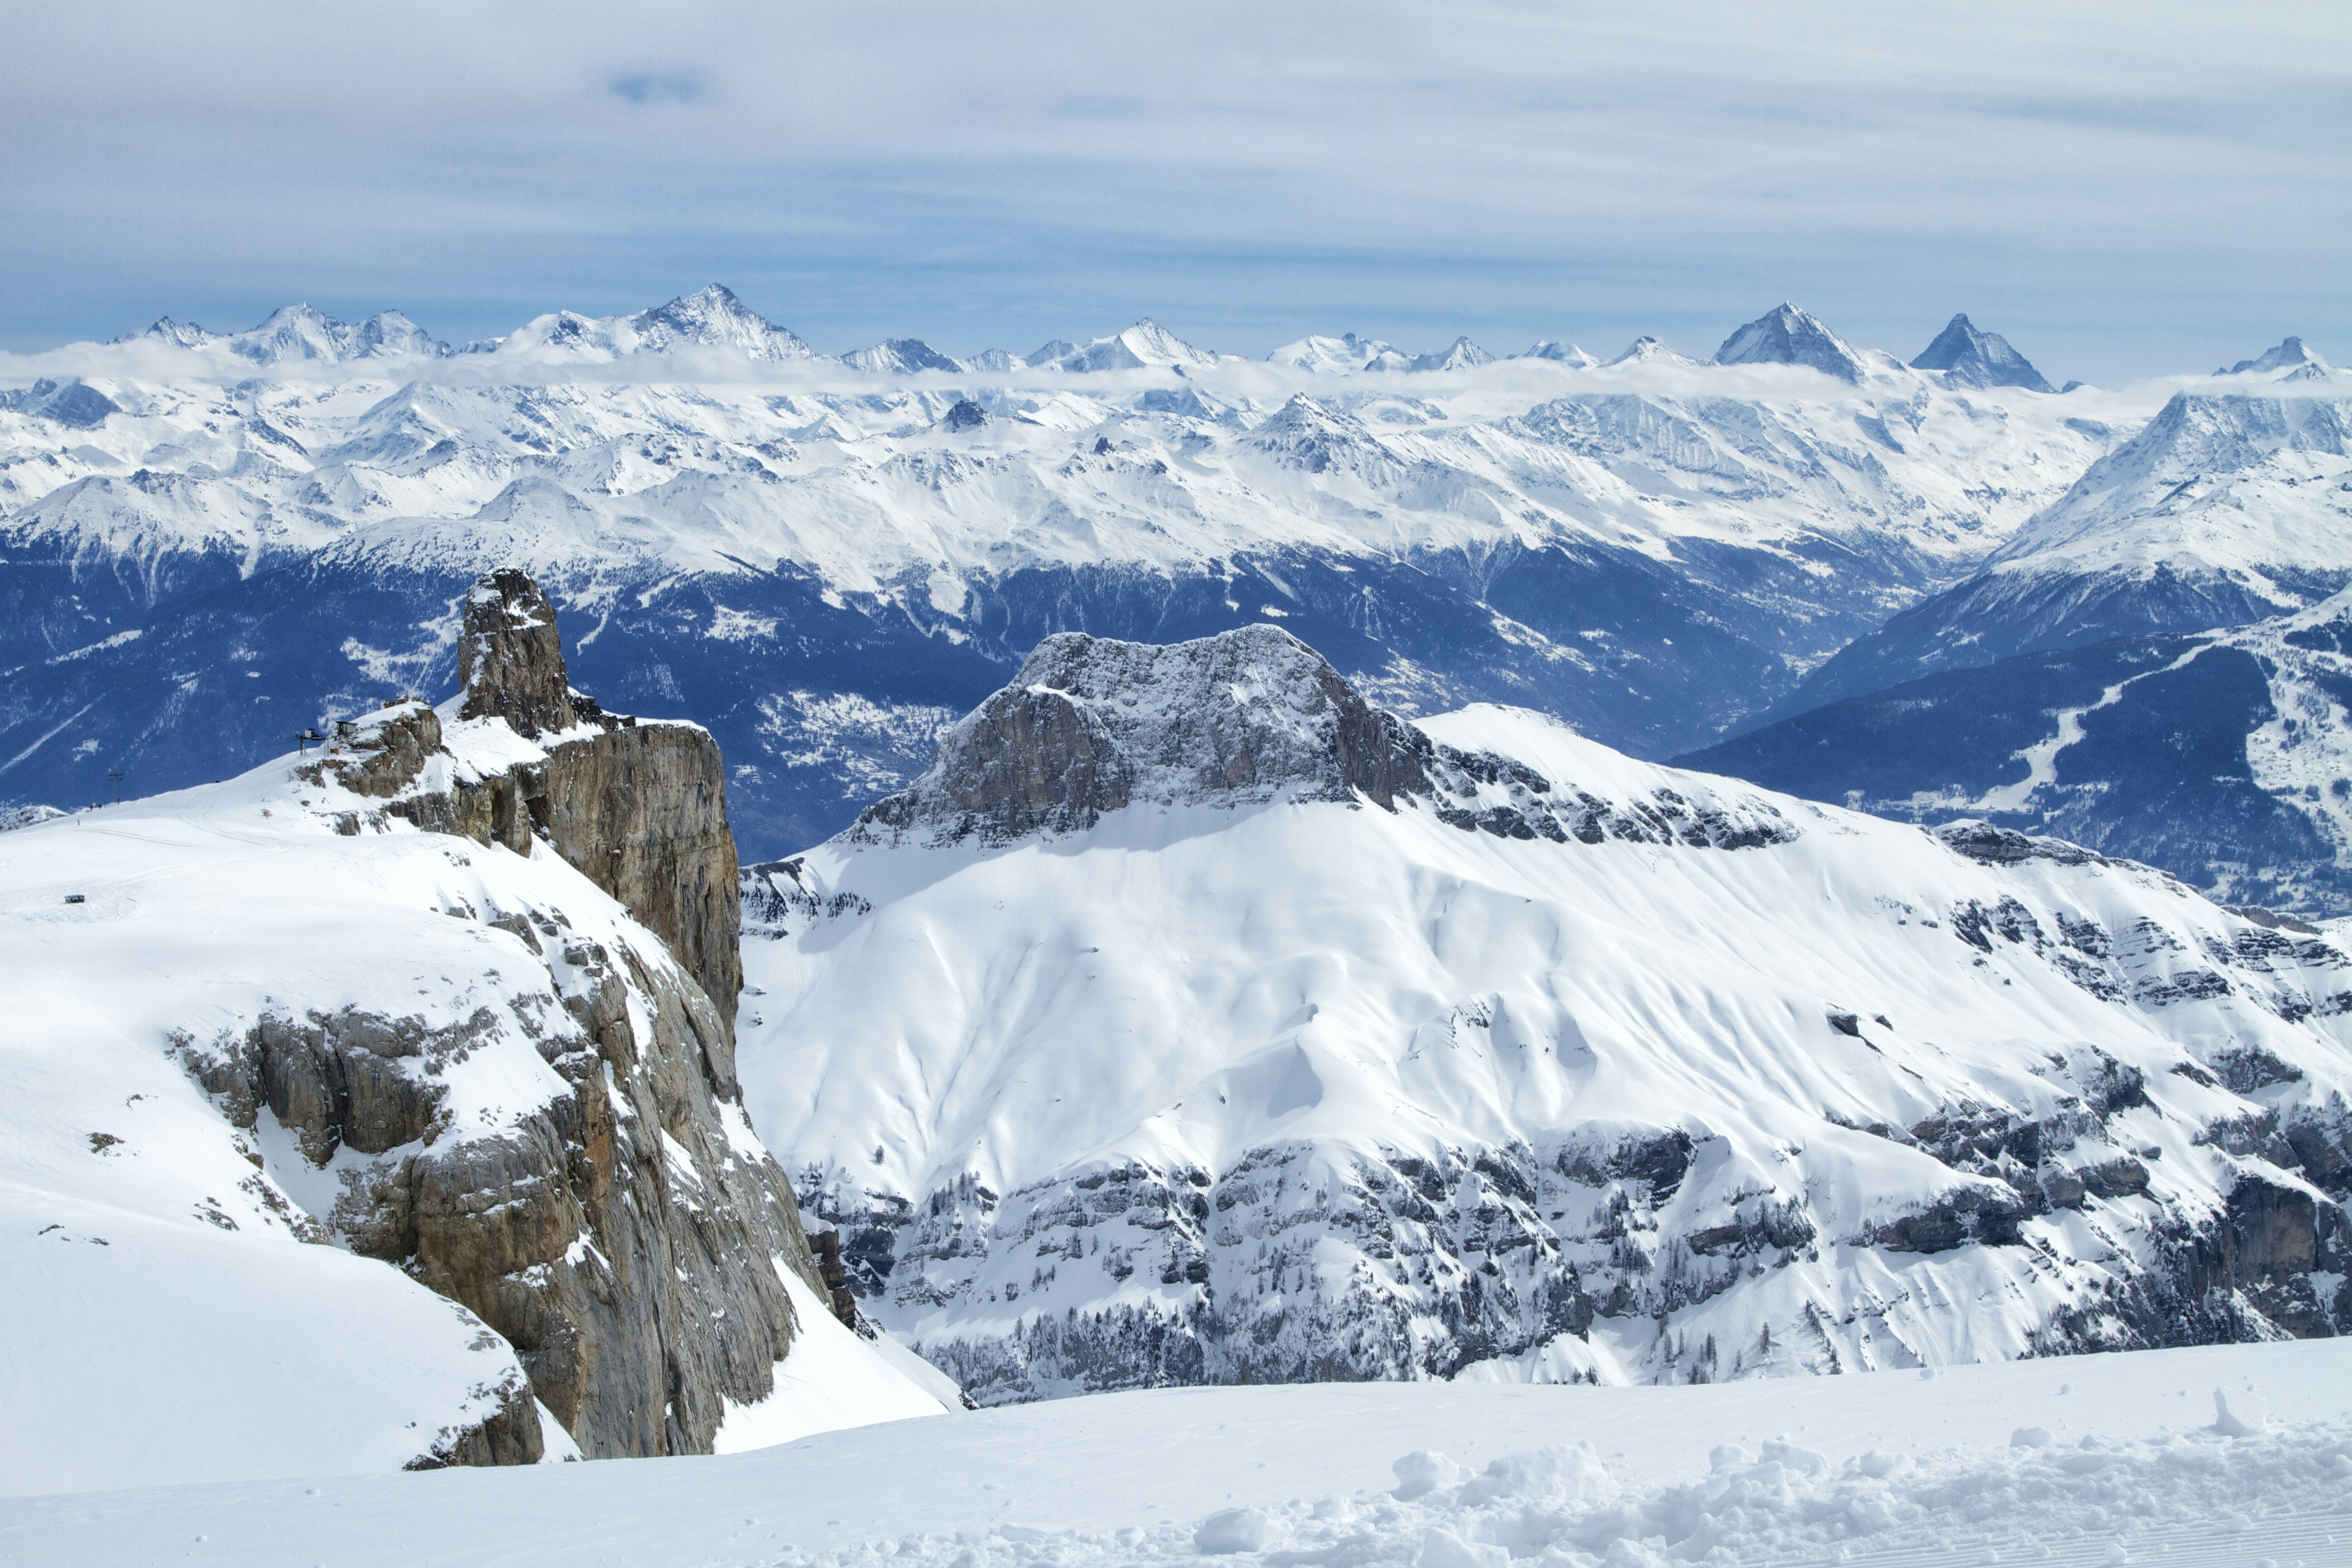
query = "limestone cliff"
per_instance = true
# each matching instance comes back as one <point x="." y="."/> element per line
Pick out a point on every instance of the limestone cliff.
<point x="624" y="1233"/>
<point x="638" y="806"/>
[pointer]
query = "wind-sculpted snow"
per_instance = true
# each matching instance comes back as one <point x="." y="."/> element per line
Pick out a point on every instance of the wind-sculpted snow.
<point x="749" y="532"/>
<point x="2195" y="1497"/>
<point x="1257" y="1068"/>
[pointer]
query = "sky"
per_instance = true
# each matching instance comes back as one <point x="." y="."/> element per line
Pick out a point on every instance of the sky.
<point x="2120" y="189"/>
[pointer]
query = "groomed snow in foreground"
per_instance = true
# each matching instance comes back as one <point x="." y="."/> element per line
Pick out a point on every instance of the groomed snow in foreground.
<point x="2093" y="1459"/>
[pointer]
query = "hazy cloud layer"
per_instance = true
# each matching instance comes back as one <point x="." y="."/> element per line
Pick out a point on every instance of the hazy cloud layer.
<point x="2120" y="189"/>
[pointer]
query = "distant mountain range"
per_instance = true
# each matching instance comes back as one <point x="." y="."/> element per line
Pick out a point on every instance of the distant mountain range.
<point x="823" y="558"/>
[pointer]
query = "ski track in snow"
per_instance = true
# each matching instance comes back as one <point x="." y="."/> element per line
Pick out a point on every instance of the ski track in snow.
<point x="2041" y="757"/>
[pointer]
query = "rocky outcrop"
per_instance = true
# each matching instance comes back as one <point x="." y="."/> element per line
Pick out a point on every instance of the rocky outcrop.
<point x="2169" y="1183"/>
<point x="638" y="806"/>
<point x="511" y="658"/>
<point x="1090" y="726"/>
<point x="624" y="1233"/>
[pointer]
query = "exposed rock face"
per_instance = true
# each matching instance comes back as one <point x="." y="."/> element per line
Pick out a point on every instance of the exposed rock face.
<point x="2170" y="1184"/>
<point x="1067" y="740"/>
<point x="640" y="808"/>
<point x="510" y="659"/>
<point x="1975" y="358"/>
<point x="620" y="1234"/>
<point x="623" y="1234"/>
<point x="1091" y="726"/>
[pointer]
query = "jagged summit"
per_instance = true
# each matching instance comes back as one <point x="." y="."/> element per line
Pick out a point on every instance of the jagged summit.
<point x="179" y="334"/>
<point x="1461" y="355"/>
<point x="1090" y="726"/>
<point x="1307" y="435"/>
<point x="2290" y="356"/>
<point x="1145" y="344"/>
<point x="75" y="405"/>
<point x="302" y="331"/>
<point x="1974" y="358"/>
<point x="511" y="658"/>
<point x="1787" y="335"/>
<point x="900" y="356"/>
<point x="710" y="317"/>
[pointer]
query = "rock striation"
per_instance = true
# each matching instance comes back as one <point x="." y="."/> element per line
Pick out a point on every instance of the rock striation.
<point x="625" y="1233"/>
<point x="1565" y="1104"/>
<point x="639" y="808"/>
<point x="1091" y="726"/>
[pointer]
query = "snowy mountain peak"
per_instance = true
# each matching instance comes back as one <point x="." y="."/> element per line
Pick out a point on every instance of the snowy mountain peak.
<point x="1305" y="434"/>
<point x="1974" y="358"/>
<point x="2290" y="355"/>
<point x="179" y="334"/>
<point x="1091" y="726"/>
<point x="1145" y="344"/>
<point x="302" y="332"/>
<point x="1787" y="335"/>
<point x="710" y="317"/>
<point x="1340" y="355"/>
<point x="1462" y="354"/>
<point x="1647" y="350"/>
<point x="902" y="356"/>
<point x="1563" y="352"/>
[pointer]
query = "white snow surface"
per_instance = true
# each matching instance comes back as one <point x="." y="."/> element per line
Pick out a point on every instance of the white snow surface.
<point x="2255" y="487"/>
<point x="696" y="437"/>
<point x="2098" y="1459"/>
<point x="833" y="1379"/>
<point x="1276" y="1006"/>
<point x="177" y="1309"/>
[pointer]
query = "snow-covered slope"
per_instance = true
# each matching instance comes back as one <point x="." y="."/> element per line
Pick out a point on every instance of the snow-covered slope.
<point x="813" y="559"/>
<point x="328" y="1144"/>
<point x="709" y="318"/>
<point x="2091" y="1461"/>
<point x="1190" y="1021"/>
<point x="2227" y="507"/>
<point x="2224" y="757"/>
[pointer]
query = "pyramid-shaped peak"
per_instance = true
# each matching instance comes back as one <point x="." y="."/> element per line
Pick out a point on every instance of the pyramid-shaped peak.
<point x="1973" y="358"/>
<point x="1787" y="335"/>
<point x="2290" y="355"/>
<point x="1462" y="354"/>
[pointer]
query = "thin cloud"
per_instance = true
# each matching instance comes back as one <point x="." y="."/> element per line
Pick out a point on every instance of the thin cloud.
<point x="2119" y="189"/>
<point x="658" y="87"/>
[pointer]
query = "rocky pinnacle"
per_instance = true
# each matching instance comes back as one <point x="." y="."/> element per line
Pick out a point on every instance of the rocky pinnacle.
<point x="510" y="659"/>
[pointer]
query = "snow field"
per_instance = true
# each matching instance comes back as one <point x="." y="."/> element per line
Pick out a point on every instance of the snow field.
<point x="1886" y="1468"/>
<point x="974" y="1045"/>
